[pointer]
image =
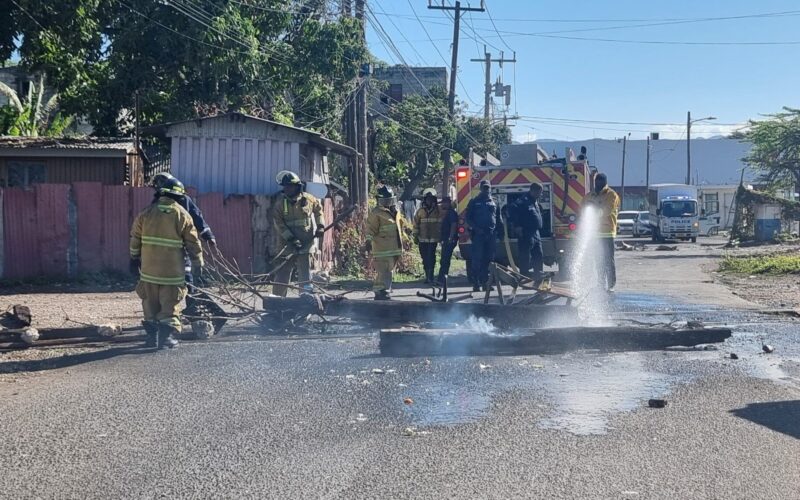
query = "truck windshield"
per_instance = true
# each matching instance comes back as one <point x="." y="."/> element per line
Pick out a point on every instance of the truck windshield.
<point x="679" y="208"/>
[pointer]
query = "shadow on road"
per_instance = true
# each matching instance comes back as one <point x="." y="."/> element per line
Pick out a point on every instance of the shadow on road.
<point x="672" y="255"/>
<point x="780" y="416"/>
<point x="36" y="365"/>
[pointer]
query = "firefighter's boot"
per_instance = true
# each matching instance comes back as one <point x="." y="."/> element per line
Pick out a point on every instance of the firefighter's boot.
<point x="151" y="330"/>
<point x="165" y="337"/>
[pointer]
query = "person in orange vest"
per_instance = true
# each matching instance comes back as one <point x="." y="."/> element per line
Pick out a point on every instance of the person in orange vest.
<point x="607" y="201"/>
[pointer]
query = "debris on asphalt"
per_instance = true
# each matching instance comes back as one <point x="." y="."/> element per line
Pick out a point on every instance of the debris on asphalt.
<point x="202" y="329"/>
<point x="666" y="248"/>
<point x="108" y="330"/>
<point x="484" y="367"/>
<point x="410" y="432"/>
<point x="408" y="401"/>
<point x="768" y="349"/>
<point x="378" y="371"/>
<point x="733" y="356"/>
<point x="361" y="417"/>
<point x="657" y="403"/>
<point x="18" y="316"/>
<point x="29" y="335"/>
<point x="350" y="376"/>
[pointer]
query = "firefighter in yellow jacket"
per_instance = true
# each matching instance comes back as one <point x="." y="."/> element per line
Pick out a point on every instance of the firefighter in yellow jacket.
<point x="427" y="231"/>
<point x="607" y="202"/>
<point x="384" y="240"/>
<point x="159" y="236"/>
<point x="298" y="220"/>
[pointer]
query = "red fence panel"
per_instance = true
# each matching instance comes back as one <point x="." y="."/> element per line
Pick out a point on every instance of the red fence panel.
<point x="21" y="234"/>
<point x="88" y="198"/>
<point x="140" y="198"/>
<point x="52" y="212"/>
<point x="230" y="221"/>
<point x="116" y="227"/>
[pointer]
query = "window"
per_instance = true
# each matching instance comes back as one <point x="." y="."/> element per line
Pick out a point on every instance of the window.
<point x="24" y="174"/>
<point x="711" y="203"/>
<point x="396" y="92"/>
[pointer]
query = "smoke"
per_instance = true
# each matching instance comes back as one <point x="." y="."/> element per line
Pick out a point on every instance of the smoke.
<point x="480" y="325"/>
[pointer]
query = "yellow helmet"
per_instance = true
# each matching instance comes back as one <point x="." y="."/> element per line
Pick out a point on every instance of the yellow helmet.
<point x="429" y="192"/>
<point x="287" y="178"/>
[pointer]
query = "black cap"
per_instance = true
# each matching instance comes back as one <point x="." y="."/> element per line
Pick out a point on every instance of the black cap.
<point x="486" y="183"/>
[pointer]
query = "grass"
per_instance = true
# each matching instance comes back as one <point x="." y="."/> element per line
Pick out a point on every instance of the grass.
<point x="773" y="265"/>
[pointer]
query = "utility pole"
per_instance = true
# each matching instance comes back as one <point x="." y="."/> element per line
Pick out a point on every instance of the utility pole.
<point x="647" y="169"/>
<point x="688" y="147"/>
<point x="487" y="61"/>
<point x="362" y="138"/>
<point x="451" y="98"/>
<point x="350" y="131"/>
<point x="622" y="188"/>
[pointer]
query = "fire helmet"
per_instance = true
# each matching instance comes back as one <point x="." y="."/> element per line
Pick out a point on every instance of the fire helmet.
<point x="160" y="179"/>
<point x="386" y="196"/>
<point x="287" y="178"/>
<point x="429" y="192"/>
<point x="171" y="186"/>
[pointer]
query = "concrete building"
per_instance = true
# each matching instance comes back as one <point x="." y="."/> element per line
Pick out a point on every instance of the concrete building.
<point x="400" y="81"/>
<point x="240" y="154"/>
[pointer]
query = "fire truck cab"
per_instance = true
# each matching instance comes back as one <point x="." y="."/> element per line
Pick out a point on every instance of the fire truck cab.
<point x="566" y="182"/>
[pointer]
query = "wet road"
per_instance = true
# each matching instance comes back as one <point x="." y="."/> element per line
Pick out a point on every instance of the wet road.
<point x="296" y="418"/>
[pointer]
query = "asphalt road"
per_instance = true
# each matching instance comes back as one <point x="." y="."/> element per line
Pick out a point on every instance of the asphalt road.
<point x="300" y="418"/>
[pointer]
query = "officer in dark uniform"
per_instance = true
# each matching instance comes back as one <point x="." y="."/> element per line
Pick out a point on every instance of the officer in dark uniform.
<point x="482" y="217"/>
<point x="526" y="217"/>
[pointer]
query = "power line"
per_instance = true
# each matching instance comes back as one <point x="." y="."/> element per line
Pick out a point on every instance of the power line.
<point x="608" y="122"/>
<point x="495" y="29"/>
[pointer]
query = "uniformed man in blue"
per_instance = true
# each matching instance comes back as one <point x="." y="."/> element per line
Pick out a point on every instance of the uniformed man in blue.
<point x="482" y="217"/>
<point x="526" y="217"/>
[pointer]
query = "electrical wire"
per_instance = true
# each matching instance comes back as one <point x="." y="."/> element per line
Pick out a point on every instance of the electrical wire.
<point x="486" y="7"/>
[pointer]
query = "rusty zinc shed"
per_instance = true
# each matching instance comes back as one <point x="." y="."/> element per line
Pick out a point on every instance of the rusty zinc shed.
<point x="234" y="153"/>
<point x="63" y="160"/>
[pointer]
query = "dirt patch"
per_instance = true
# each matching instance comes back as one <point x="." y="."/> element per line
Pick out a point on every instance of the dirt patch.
<point x="780" y="291"/>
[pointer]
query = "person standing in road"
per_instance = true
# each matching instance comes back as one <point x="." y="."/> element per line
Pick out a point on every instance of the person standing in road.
<point x="448" y="236"/>
<point x="298" y="220"/>
<point x="526" y="217"/>
<point x="607" y="202"/>
<point x="201" y="226"/>
<point x="384" y="240"/>
<point x="159" y="236"/>
<point x="427" y="231"/>
<point x="482" y="217"/>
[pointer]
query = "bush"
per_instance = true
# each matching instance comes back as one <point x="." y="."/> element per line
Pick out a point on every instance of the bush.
<point x="768" y="264"/>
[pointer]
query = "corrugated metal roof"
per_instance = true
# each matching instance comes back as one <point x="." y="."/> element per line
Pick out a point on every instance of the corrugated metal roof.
<point x="91" y="143"/>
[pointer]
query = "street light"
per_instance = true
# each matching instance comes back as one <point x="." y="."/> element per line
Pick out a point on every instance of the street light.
<point x="689" y="122"/>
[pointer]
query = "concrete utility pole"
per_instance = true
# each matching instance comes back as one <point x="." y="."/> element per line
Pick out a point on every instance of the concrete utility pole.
<point x="361" y="117"/>
<point x="487" y="61"/>
<point x="647" y="165"/>
<point x="451" y="98"/>
<point x="349" y="129"/>
<point x="622" y="188"/>
<point x="689" y="122"/>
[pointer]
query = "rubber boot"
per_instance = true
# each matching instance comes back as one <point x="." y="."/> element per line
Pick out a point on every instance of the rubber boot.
<point x="165" y="338"/>
<point x="382" y="295"/>
<point x="151" y="330"/>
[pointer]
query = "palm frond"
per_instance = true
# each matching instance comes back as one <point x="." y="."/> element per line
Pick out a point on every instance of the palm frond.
<point x="12" y="96"/>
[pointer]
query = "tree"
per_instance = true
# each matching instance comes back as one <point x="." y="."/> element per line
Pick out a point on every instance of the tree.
<point x="776" y="148"/>
<point x="31" y="116"/>
<point x="408" y="143"/>
<point x="482" y="136"/>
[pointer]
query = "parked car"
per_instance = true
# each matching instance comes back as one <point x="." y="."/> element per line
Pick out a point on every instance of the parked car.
<point x="641" y="224"/>
<point x="625" y="222"/>
<point x="709" y="224"/>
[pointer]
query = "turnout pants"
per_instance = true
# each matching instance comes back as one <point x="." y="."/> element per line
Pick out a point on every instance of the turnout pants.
<point x="530" y="254"/>
<point x="284" y="275"/>
<point x="384" y="273"/>
<point x="447" y="256"/>
<point x="482" y="254"/>
<point x="608" y="265"/>
<point x="161" y="303"/>
<point x="427" y="250"/>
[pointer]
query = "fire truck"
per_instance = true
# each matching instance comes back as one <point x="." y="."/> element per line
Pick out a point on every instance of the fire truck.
<point x="566" y="182"/>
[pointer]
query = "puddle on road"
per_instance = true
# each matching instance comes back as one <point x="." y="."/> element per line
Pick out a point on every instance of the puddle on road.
<point x="442" y="404"/>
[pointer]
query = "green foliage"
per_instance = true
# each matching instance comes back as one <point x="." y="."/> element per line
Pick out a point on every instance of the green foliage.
<point x="776" y="148"/>
<point x="484" y="136"/>
<point x="30" y="116"/>
<point x="766" y="264"/>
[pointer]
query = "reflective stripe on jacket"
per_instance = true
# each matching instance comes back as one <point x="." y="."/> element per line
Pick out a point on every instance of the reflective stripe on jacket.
<point x="608" y="202"/>
<point x="428" y="224"/>
<point x="384" y="230"/>
<point x="297" y="219"/>
<point x="158" y="237"/>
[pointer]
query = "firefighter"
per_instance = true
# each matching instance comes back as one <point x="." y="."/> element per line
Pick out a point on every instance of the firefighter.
<point x="607" y="202"/>
<point x="448" y="236"/>
<point x="482" y="217"/>
<point x="384" y="240"/>
<point x="299" y="221"/>
<point x="427" y="231"/>
<point x="200" y="225"/>
<point x="160" y="235"/>
<point x="526" y="217"/>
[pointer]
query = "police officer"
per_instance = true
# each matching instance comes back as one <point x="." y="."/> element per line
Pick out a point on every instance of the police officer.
<point x="159" y="236"/>
<point x="606" y="200"/>
<point x="384" y="240"/>
<point x="526" y="217"/>
<point x="160" y="180"/>
<point x="427" y="231"/>
<point x="298" y="221"/>
<point x="482" y="217"/>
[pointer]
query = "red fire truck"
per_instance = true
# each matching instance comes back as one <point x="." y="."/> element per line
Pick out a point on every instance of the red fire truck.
<point x="566" y="182"/>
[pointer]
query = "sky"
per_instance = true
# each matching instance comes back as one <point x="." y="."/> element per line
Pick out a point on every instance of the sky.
<point x="609" y="74"/>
